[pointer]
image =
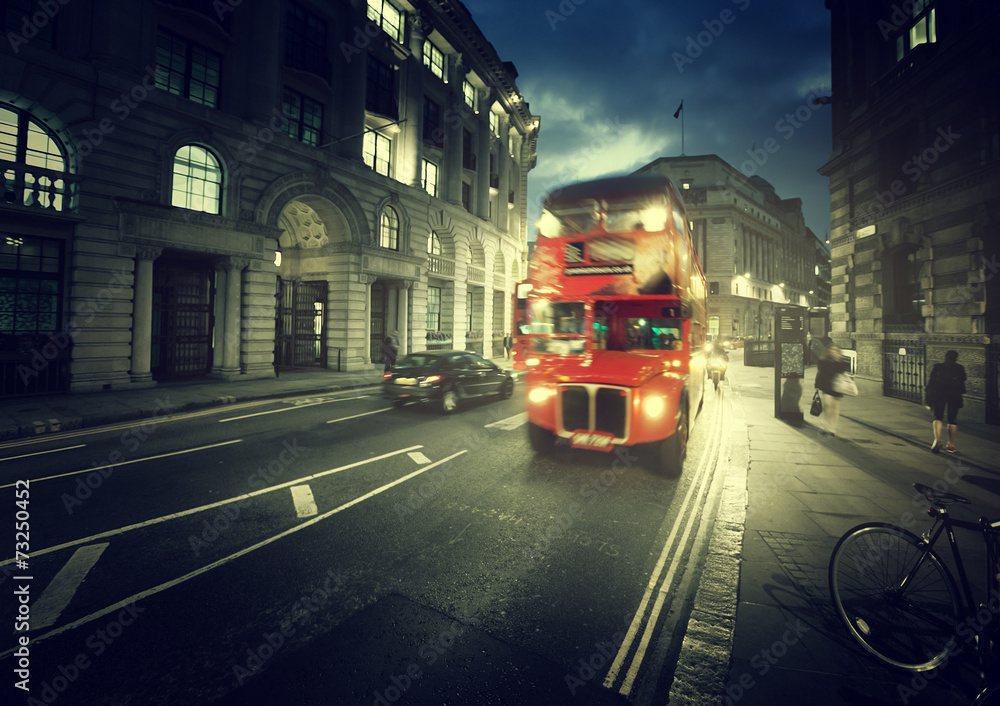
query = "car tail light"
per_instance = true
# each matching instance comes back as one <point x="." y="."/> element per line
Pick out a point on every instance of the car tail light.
<point x="387" y="376"/>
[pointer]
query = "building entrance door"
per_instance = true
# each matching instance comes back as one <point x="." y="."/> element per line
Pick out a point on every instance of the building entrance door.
<point x="300" y="328"/>
<point x="183" y="320"/>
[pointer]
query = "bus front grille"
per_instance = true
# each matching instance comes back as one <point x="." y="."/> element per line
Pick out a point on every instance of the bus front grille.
<point x="595" y="408"/>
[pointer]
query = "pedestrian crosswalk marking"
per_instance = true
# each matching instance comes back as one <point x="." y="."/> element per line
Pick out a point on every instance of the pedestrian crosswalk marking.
<point x="305" y="504"/>
<point x="418" y="457"/>
<point x="57" y="595"/>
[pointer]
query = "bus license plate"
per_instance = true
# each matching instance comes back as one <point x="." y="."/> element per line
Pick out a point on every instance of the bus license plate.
<point x="593" y="440"/>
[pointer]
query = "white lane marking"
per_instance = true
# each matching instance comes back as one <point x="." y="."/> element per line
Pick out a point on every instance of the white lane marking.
<point x="699" y="482"/>
<point x="510" y="423"/>
<point x="183" y="513"/>
<point x="355" y="416"/>
<point x="134" y="460"/>
<point x="57" y="595"/>
<point x="291" y="409"/>
<point x="418" y="457"/>
<point x="39" y="453"/>
<point x="225" y="560"/>
<point x="305" y="504"/>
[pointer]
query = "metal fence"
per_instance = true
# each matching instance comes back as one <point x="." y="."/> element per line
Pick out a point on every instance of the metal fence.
<point x="904" y="369"/>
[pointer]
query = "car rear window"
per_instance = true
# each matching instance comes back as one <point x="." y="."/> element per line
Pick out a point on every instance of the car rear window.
<point x="417" y="361"/>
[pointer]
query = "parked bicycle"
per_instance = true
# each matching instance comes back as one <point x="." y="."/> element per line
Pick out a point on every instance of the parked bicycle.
<point x="899" y="600"/>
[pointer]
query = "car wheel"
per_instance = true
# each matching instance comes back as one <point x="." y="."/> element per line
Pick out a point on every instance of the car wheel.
<point x="542" y="440"/>
<point x="449" y="400"/>
<point x="667" y="457"/>
<point x="506" y="389"/>
<point x="398" y="402"/>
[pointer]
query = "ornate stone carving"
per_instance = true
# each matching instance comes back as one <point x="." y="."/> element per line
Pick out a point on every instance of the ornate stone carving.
<point x="305" y="224"/>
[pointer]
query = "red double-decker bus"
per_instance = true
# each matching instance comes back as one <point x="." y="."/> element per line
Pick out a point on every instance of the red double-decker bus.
<point x="617" y="321"/>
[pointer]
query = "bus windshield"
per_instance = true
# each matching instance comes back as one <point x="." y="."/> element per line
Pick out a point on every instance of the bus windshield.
<point x="621" y="215"/>
<point x="556" y="317"/>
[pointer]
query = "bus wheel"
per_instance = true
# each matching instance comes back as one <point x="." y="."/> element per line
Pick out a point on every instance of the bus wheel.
<point x="669" y="454"/>
<point x="542" y="440"/>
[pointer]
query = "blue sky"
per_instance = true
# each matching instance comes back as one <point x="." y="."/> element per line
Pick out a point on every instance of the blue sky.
<point x="607" y="76"/>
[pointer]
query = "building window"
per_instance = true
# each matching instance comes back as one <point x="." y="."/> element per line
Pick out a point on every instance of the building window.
<point x="433" y="308"/>
<point x="434" y="245"/>
<point x="467" y="197"/>
<point x="37" y="176"/>
<point x="14" y="13"/>
<point x="197" y="182"/>
<point x="380" y="95"/>
<point x="385" y="15"/>
<point x="468" y="152"/>
<point x="378" y="152"/>
<point x="920" y="28"/>
<point x="305" y="42"/>
<point x="429" y="177"/>
<point x="305" y="117"/>
<point x="494" y="124"/>
<point x="388" y="231"/>
<point x="902" y="294"/>
<point x="432" y="131"/>
<point x="713" y="287"/>
<point x="187" y="69"/>
<point x="434" y="60"/>
<point x="469" y="91"/>
<point x="30" y="277"/>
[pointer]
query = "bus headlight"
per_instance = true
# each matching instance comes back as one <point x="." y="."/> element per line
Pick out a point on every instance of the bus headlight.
<point x="538" y="395"/>
<point x="654" y="407"/>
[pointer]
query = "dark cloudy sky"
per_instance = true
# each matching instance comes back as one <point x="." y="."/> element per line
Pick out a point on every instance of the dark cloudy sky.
<point x="607" y="75"/>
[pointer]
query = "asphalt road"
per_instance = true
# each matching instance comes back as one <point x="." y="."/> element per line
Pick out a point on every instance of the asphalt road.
<point x="337" y="550"/>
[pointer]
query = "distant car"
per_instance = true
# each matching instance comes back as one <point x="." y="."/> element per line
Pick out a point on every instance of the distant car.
<point x="727" y="344"/>
<point x="445" y="378"/>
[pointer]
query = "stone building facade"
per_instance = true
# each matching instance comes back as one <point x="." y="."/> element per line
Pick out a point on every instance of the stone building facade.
<point x="203" y="188"/>
<point x="915" y="193"/>
<point x="754" y="246"/>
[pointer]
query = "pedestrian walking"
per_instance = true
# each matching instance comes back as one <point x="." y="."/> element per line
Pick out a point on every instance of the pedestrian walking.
<point x="508" y="343"/>
<point x="390" y="348"/>
<point x="945" y="388"/>
<point x="831" y="364"/>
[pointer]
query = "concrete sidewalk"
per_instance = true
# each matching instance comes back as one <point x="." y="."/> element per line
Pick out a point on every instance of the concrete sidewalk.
<point x="33" y="416"/>
<point x="804" y="490"/>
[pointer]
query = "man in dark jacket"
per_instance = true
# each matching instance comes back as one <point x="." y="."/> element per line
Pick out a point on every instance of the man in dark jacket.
<point x="945" y="388"/>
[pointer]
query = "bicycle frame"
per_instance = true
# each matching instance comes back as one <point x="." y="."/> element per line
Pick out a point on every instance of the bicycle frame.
<point x="990" y="531"/>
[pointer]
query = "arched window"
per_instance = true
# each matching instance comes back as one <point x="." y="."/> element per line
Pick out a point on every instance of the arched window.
<point x="389" y="230"/>
<point x="32" y="163"/>
<point x="197" y="182"/>
<point x="434" y="245"/>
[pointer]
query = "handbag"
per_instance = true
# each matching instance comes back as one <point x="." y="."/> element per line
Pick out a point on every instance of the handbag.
<point x="844" y="384"/>
<point x="817" y="405"/>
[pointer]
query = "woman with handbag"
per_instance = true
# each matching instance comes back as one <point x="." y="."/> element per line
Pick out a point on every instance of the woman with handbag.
<point x="945" y="389"/>
<point x="831" y="364"/>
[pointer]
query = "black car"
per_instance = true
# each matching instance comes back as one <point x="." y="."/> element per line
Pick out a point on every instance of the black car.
<point x="445" y="378"/>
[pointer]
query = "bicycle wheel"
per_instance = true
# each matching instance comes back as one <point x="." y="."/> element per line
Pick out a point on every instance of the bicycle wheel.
<point x="990" y="696"/>
<point x="911" y="627"/>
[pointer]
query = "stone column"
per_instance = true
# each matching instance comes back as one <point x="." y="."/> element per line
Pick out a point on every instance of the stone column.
<point x="454" y="128"/>
<point x="231" y="337"/>
<point x="485" y="141"/>
<point x="412" y="152"/>
<point x="503" y="170"/>
<point x="142" y="315"/>
<point x="352" y="61"/>
<point x="368" y="281"/>
<point x="403" y="315"/>
<point x="261" y="63"/>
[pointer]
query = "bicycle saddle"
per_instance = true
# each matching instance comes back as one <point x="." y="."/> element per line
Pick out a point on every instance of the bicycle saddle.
<point x="939" y="497"/>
